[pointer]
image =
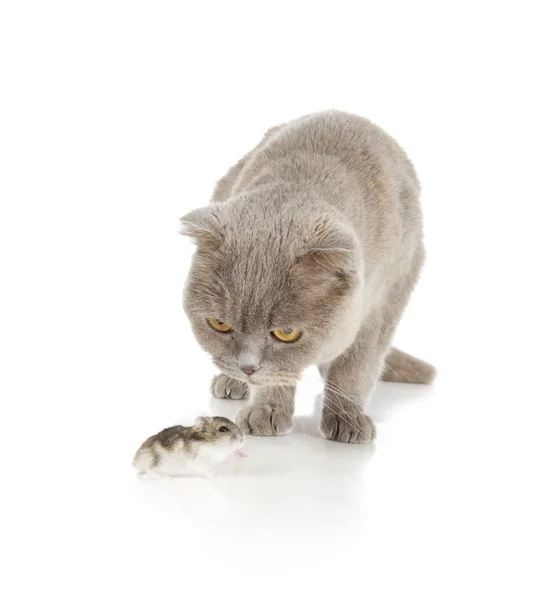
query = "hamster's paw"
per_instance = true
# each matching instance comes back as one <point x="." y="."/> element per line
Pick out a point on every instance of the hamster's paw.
<point x="223" y="386"/>
<point x="263" y="419"/>
<point x="351" y="428"/>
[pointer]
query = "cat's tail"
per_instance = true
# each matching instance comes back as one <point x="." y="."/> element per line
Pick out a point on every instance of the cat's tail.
<point x="404" y="368"/>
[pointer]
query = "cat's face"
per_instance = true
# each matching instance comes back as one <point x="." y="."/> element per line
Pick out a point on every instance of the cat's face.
<point x="263" y="306"/>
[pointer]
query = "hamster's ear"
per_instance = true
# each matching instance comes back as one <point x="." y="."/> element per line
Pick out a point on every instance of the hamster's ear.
<point x="204" y="225"/>
<point x="202" y="421"/>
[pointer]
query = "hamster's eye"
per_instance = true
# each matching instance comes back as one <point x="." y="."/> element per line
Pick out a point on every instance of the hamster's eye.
<point x="223" y="429"/>
<point x="286" y="335"/>
<point x="218" y="325"/>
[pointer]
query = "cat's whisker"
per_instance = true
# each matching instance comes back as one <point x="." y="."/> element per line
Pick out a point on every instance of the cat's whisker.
<point x="336" y="387"/>
<point x="355" y="427"/>
<point x="337" y="390"/>
<point x="342" y="415"/>
<point x="336" y="400"/>
<point x="341" y="409"/>
<point x="291" y="403"/>
<point x="343" y="396"/>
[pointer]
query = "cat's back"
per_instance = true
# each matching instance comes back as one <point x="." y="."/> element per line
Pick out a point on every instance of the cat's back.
<point x="334" y="132"/>
<point x="330" y="143"/>
<point x="332" y="158"/>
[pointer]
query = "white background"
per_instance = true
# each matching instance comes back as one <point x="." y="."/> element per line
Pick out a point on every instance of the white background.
<point x="117" y="118"/>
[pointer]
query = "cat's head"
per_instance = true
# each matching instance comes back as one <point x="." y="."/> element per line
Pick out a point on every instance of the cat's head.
<point x="270" y="294"/>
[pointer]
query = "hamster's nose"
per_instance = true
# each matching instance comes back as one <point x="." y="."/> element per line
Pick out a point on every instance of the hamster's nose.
<point x="249" y="369"/>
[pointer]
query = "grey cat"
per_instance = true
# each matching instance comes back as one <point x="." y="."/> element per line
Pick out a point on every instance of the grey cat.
<point x="307" y="256"/>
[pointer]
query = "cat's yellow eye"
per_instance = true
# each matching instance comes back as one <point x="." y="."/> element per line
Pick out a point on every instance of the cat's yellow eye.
<point x="219" y="325"/>
<point x="286" y="335"/>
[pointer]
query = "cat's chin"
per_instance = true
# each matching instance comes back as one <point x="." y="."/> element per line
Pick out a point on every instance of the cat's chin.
<point x="264" y="380"/>
<point x="272" y="382"/>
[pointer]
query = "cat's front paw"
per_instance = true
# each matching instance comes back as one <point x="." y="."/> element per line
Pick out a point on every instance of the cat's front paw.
<point x="263" y="419"/>
<point x="223" y="386"/>
<point x="351" y="428"/>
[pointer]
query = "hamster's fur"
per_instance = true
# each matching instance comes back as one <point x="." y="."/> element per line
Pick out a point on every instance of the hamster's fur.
<point x="192" y="450"/>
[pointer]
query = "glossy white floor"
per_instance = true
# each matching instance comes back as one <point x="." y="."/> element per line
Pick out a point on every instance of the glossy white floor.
<point x="117" y="118"/>
<point x="451" y="498"/>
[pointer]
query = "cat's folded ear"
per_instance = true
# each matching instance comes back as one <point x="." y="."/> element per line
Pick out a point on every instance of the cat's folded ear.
<point x="331" y="246"/>
<point x="204" y="226"/>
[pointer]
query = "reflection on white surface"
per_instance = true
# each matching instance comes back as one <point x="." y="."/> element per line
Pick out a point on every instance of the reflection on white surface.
<point x="298" y="480"/>
<point x="297" y="486"/>
<point x="441" y="492"/>
<point x="287" y="487"/>
<point x="302" y="504"/>
<point x="118" y="117"/>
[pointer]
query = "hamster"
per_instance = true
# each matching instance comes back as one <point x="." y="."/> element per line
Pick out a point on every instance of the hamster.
<point x="192" y="450"/>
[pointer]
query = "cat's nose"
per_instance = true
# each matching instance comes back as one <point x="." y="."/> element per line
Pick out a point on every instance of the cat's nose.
<point x="249" y="369"/>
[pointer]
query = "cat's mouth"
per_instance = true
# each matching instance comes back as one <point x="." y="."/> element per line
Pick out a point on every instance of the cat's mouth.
<point x="260" y="377"/>
<point x="275" y="380"/>
<point x="266" y="379"/>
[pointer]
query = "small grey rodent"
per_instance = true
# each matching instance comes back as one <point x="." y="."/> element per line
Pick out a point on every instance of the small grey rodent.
<point x="192" y="450"/>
